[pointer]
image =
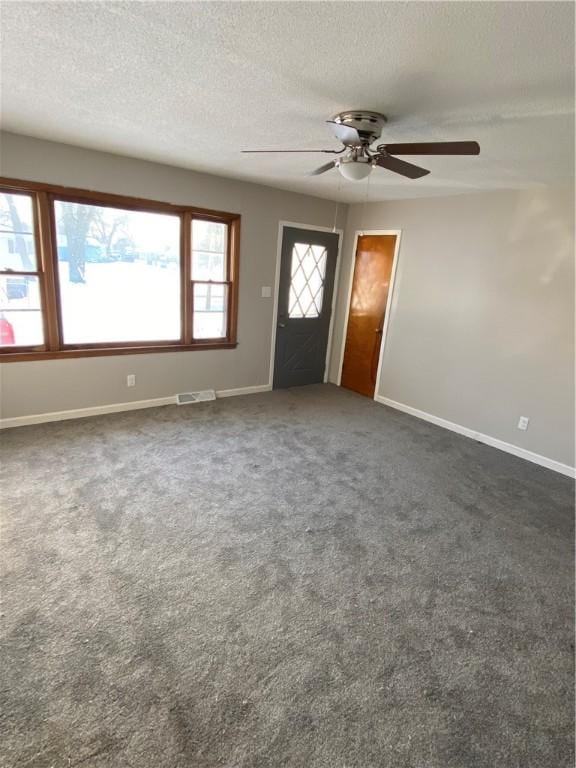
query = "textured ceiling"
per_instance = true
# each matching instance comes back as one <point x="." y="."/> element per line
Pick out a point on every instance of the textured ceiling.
<point x="193" y="83"/>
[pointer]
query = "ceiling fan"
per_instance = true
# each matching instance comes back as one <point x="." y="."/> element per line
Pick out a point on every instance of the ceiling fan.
<point x="358" y="130"/>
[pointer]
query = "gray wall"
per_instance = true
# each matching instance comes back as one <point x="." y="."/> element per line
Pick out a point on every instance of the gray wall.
<point x="482" y="322"/>
<point x="481" y="328"/>
<point x="39" y="387"/>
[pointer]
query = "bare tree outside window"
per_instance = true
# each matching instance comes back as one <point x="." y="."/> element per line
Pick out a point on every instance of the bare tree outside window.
<point x="76" y="220"/>
<point x="110" y="233"/>
<point x="10" y="218"/>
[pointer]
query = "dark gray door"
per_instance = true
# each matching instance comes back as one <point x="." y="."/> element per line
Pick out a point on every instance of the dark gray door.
<point x="307" y="266"/>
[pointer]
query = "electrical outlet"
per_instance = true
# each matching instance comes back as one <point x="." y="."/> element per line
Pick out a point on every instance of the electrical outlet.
<point x="131" y="380"/>
<point x="523" y="422"/>
<point x="266" y="292"/>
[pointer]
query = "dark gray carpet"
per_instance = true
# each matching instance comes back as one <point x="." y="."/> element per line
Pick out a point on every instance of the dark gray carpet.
<point x="300" y="579"/>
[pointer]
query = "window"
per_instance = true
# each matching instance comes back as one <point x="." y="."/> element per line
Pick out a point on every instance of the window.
<point x="87" y="273"/>
<point x="21" y="321"/>
<point x="118" y="272"/>
<point x="209" y="278"/>
<point x="307" y="275"/>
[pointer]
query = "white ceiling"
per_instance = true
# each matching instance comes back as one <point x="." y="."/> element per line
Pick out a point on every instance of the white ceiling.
<point x="193" y="83"/>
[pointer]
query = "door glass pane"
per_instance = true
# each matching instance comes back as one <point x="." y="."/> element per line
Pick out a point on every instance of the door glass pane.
<point x="210" y="302"/>
<point x="119" y="274"/>
<point x="209" y="250"/>
<point x="307" y="275"/>
<point x="20" y="313"/>
<point x="17" y="247"/>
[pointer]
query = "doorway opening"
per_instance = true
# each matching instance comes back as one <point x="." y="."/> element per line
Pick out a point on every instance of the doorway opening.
<point x="375" y="258"/>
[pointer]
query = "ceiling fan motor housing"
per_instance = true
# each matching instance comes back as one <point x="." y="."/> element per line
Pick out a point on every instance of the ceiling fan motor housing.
<point x="368" y="124"/>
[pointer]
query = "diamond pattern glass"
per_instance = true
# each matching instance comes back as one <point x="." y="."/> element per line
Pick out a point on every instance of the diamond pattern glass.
<point x="308" y="272"/>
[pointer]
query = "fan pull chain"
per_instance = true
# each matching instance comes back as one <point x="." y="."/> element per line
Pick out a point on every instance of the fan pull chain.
<point x="337" y="203"/>
<point x="363" y="215"/>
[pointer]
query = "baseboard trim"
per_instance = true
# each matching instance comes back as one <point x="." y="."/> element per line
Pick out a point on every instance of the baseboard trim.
<point x="494" y="442"/>
<point x="99" y="410"/>
<point x="244" y="390"/>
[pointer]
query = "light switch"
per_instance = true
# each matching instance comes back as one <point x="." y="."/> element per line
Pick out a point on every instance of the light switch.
<point x="266" y="292"/>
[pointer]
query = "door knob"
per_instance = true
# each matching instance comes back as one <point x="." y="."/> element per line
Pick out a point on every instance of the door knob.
<point x="281" y="325"/>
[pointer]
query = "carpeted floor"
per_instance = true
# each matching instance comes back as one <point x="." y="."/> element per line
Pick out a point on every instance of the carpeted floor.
<point x="299" y="579"/>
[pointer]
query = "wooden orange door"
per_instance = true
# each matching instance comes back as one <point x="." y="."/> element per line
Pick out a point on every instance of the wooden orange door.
<point x="370" y="286"/>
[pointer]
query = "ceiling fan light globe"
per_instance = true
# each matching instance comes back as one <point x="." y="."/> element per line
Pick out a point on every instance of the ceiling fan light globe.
<point x="355" y="170"/>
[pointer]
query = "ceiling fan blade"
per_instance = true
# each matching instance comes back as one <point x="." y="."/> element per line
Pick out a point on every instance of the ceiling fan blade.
<point x="323" y="168"/>
<point x="433" y="148"/>
<point x="400" y="166"/>
<point x="344" y="133"/>
<point x="268" y="151"/>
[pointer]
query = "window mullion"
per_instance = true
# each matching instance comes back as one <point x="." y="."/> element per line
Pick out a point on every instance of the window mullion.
<point x="45" y="239"/>
<point x="233" y="245"/>
<point x="228" y="276"/>
<point x="186" y="291"/>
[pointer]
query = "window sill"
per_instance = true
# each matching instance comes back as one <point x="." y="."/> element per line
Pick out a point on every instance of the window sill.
<point x="63" y="354"/>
